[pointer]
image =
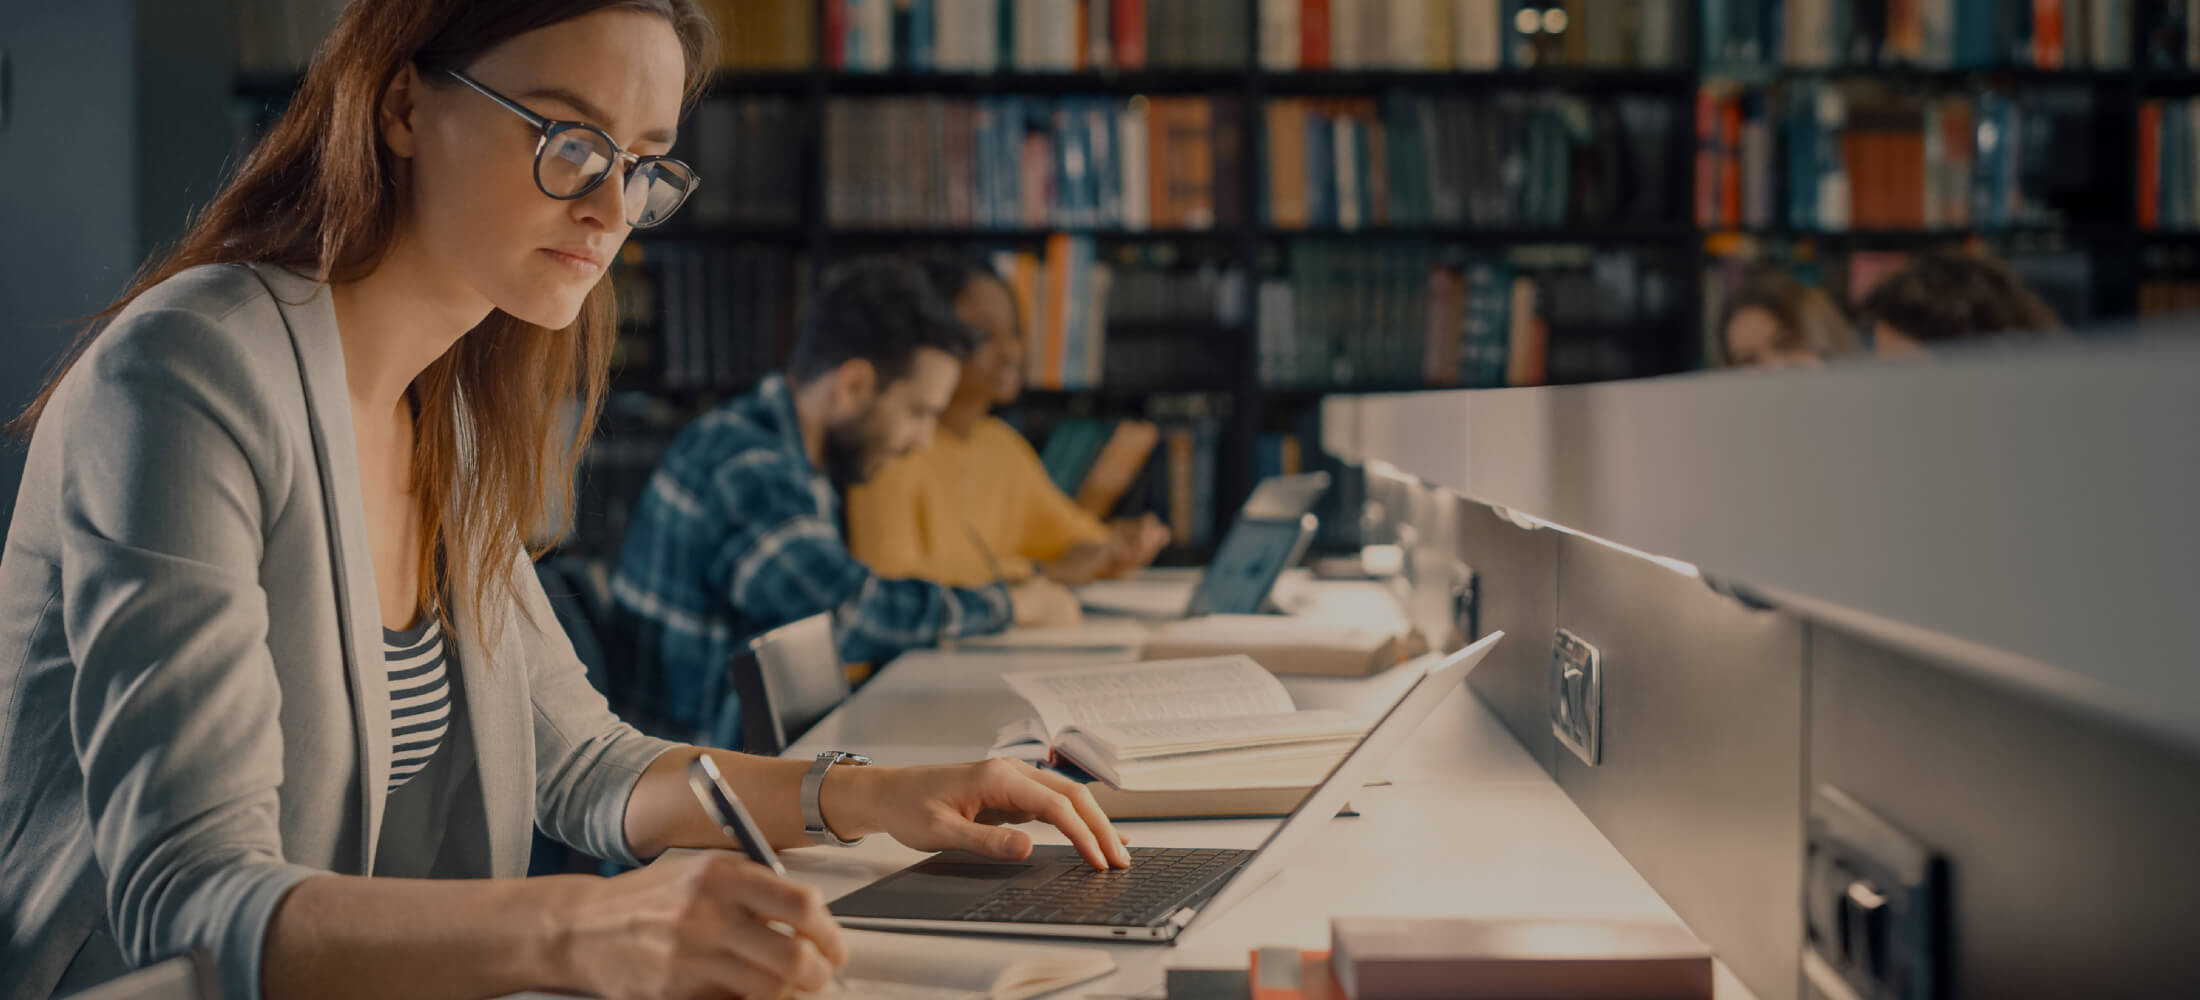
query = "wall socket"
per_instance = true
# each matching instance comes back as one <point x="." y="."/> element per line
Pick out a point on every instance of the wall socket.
<point x="1874" y="903"/>
<point x="1577" y="696"/>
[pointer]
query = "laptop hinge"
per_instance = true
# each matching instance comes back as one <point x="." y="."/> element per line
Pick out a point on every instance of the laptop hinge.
<point x="1182" y="917"/>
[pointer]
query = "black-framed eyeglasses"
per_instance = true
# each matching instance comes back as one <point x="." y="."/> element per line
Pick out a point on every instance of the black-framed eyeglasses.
<point x="572" y="158"/>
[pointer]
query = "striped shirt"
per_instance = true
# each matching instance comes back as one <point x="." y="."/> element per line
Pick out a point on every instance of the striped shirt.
<point x="420" y="697"/>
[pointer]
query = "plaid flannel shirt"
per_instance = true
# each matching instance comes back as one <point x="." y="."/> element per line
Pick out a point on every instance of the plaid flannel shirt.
<point x="736" y="534"/>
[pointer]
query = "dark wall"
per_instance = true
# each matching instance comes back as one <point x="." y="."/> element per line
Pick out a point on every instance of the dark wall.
<point x="68" y="187"/>
<point x="118" y="128"/>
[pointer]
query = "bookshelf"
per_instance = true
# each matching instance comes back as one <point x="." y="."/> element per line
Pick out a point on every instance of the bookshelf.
<point x="1659" y="246"/>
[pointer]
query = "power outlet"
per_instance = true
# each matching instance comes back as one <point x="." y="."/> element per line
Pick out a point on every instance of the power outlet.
<point x="1874" y="904"/>
<point x="1577" y="696"/>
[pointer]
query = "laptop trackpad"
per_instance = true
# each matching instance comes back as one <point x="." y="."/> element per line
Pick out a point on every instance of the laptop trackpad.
<point x="948" y="883"/>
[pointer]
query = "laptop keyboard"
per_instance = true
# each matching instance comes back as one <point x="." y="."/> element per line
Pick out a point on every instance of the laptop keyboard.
<point x="1159" y="881"/>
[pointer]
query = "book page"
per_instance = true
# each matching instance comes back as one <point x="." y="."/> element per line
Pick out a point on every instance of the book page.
<point x="1095" y="634"/>
<point x="1218" y="687"/>
<point x="1162" y="737"/>
<point x="1276" y="630"/>
<point x="934" y="967"/>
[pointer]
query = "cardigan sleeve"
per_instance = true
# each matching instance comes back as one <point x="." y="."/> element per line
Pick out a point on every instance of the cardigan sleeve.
<point x="172" y="452"/>
<point x="587" y="760"/>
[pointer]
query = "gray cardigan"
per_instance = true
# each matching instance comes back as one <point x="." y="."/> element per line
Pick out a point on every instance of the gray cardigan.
<point x="194" y="713"/>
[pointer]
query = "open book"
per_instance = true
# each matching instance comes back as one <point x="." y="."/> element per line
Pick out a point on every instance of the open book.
<point x="884" y="966"/>
<point x="1216" y="723"/>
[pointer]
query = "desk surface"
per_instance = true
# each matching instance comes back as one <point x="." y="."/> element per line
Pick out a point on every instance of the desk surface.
<point x="1469" y="824"/>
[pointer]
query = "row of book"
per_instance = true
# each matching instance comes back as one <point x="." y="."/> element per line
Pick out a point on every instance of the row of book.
<point x="986" y="36"/>
<point x="740" y="149"/>
<point x="1127" y="317"/>
<point x="1515" y="159"/>
<point x="1172" y="475"/>
<point x="764" y="35"/>
<point x="2169" y="33"/>
<point x="1032" y="162"/>
<point x="1064" y="292"/>
<point x="2163" y="296"/>
<point x="1033" y="36"/>
<point x="1428" y="315"/>
<point x="1861" y="157"/>
<point x="1957" y="34"/>
<point x="1473" y="35"/>
<point x="706" y="318"/>
<point x="2169" y="164"/>
<point x="714" y="318"/>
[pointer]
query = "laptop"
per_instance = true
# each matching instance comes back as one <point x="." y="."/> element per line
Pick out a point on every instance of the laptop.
<point x="1271" y="533"/>
<point x="1054" y="894"/>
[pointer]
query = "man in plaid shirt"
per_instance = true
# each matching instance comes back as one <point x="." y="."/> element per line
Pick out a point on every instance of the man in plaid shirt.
<point x="738" y="530"/>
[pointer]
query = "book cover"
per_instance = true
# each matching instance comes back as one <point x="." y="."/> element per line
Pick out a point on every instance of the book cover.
<point x="1527" y="349"/>
<point x="1314" y="40"/>
<point x="1291" y="974"/>
<point x="1226" y="169"/>
<point x="1161" y="126"/>
<point x="1321" y="166"/>
<point x="1128" y="19"/>
<point x="1464" y="958"/>
<point x="1284" y="173"/>
<point x="1134" y="161"/>
<point x="2047" y="33"/>
<point x="1191" y="155"/>
<point x="1446" y="296"/>
<point x="2150" y="165"/>
<point x="1106" y="163"/>
<point x="1127" y="452"/>
<point x="1477" y="37"/>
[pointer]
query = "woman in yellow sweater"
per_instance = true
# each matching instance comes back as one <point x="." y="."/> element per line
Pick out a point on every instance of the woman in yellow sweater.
<point x="979" y="483"/>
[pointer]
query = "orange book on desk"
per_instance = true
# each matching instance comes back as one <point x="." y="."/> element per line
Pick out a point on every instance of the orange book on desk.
<point x="1290" y="974"/>
<point x="1463" y="958"/>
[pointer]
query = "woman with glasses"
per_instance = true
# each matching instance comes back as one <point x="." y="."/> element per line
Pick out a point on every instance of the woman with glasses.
<point x="266" y="624"/>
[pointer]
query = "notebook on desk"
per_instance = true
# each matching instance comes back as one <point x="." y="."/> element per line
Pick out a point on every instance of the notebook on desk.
<point x="1053" y="893"/>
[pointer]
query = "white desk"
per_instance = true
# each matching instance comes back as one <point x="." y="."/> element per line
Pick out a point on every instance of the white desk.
<point x="1468" y="826"/>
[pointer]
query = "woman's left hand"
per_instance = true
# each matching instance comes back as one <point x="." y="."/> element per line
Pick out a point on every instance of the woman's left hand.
<point x="964" y="806"/>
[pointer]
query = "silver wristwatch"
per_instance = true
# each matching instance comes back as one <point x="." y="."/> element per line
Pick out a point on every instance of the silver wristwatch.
<point x="813" y="816"/>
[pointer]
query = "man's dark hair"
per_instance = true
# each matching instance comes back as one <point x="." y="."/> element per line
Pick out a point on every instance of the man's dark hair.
<point x="1949" y="294"/>
<point x="882" y="310"/>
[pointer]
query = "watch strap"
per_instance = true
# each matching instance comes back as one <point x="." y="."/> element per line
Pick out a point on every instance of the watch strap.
<point x="813" y="782"/>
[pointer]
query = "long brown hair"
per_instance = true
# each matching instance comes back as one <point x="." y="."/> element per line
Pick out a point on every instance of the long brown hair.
<point x="320" y="193"/>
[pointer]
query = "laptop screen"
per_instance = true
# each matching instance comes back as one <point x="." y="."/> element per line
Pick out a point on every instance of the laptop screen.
<point x="1252" y="556"/>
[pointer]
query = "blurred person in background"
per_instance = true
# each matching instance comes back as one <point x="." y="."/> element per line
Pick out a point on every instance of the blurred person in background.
<point x="1949" y="295"/>
<point x="1777" y="321"/>
<point x="979" y="483"/>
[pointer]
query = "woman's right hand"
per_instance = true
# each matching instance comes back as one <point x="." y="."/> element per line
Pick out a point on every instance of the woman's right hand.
<point x="699" y="925"/>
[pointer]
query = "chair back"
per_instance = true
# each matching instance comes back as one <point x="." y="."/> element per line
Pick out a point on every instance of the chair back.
<point x="787" y="679"/>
